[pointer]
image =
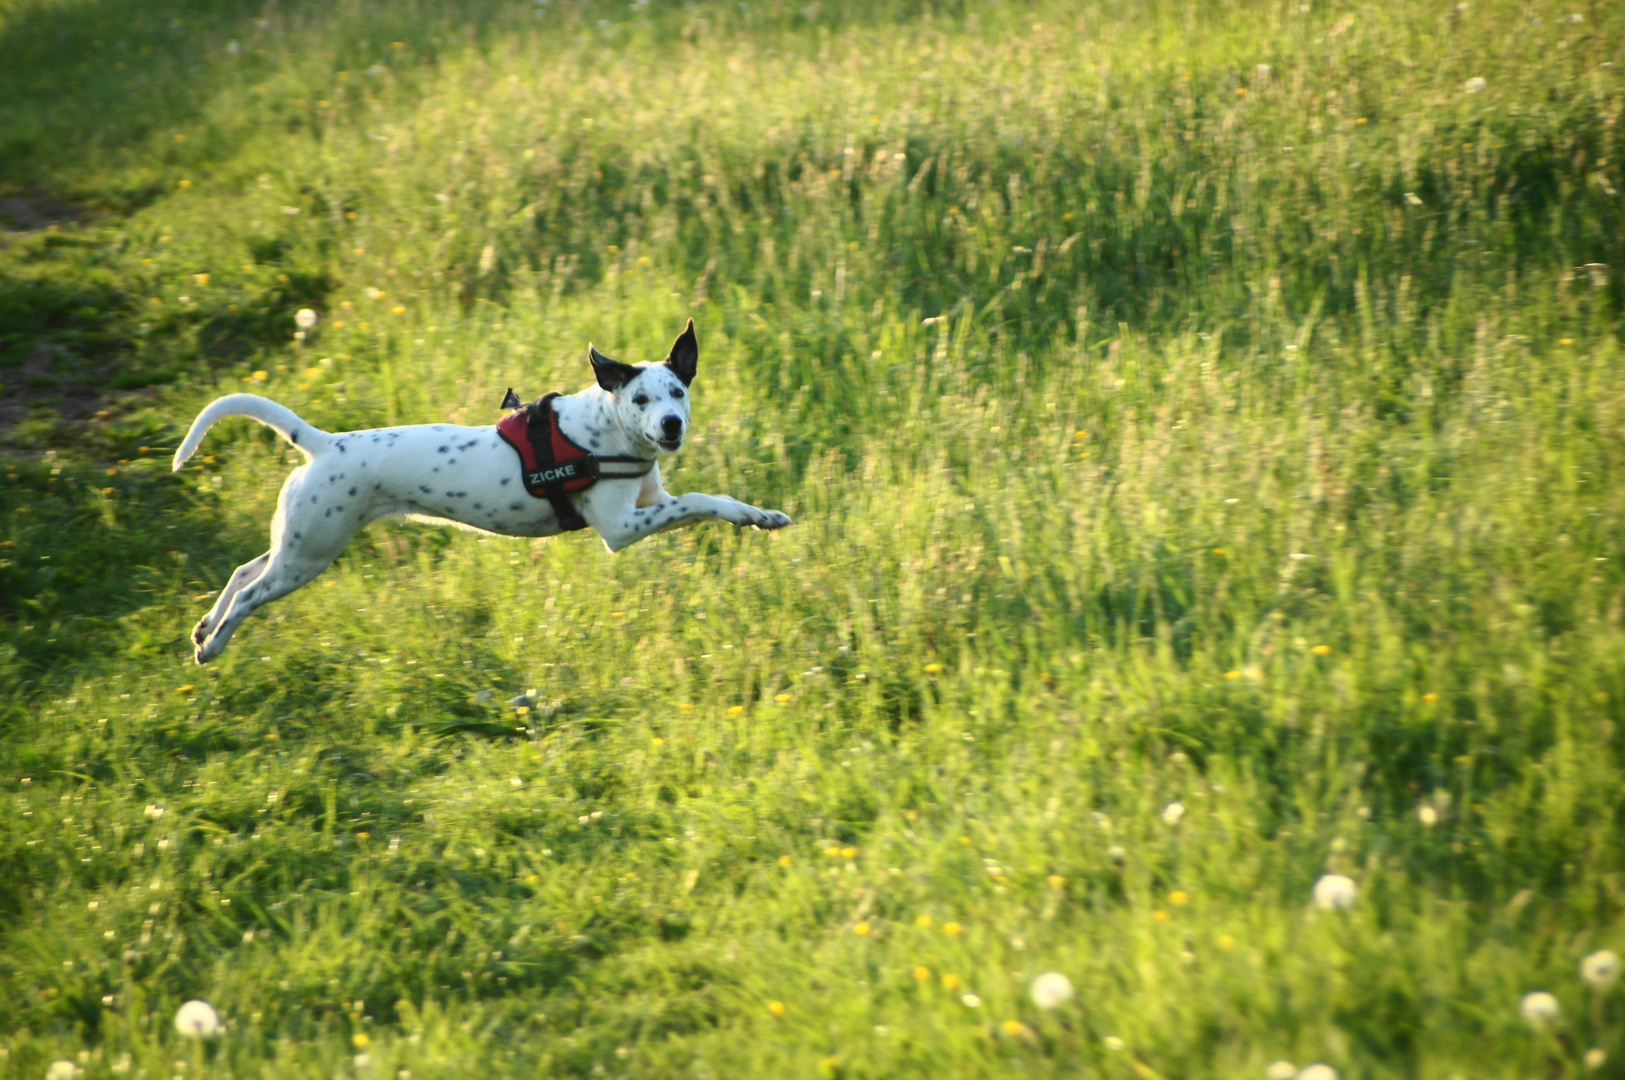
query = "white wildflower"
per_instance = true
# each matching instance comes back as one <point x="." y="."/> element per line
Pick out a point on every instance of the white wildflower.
<point x="1539" y="1008"/>
<point x="198" y="1020"/>
<point x="1475" y="85"/>
<point x="62" y="1070"/>
<point x="970" y="1001"/>
<point x="1317" y="1071"/>
<point x="1335" y="892"/>
<point x="1281" y="1070"/>
<point x="1051" y="989"/>
<point x="1173" y="812"/>
<point x="1427" y="815"/>
<point x="1600" y="969"/>
<point x="304" y="318"/>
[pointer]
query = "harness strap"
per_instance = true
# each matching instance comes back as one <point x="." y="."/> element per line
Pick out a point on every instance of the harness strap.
<point x="552" y="466"/>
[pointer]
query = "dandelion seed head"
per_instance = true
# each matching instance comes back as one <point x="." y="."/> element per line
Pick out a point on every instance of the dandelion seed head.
<point x="1334" y="892"/>
<point x="1600" y="969"/>
<point x="970" y="1001"/>
<point x="1317" y="1071"/>
<point x="1539" y="1008"/>
<point x="1051" y="990"/>
<point x="198" y="1020"/>
<point x="1173" y="812"/>
<point x="1475" y="85"/>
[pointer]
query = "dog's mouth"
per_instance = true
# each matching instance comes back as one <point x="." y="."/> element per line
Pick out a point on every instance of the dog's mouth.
<point x="670" y="444"/>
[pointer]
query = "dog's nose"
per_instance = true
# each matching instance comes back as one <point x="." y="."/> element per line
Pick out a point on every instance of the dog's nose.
<point x="671" y="427"/>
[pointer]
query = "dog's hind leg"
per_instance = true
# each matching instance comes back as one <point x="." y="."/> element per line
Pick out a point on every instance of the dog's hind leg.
<point x="240" y="577"/>
<point x="285" y="573"/>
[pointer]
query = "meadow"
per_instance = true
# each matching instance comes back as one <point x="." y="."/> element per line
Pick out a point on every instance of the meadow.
<point x="1203" y="424"/>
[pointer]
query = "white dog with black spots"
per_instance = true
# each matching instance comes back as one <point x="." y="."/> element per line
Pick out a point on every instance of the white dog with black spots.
<point x="467" y="476"/>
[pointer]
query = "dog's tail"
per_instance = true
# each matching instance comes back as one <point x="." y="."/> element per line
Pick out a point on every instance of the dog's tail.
<point x="284" y="421"/>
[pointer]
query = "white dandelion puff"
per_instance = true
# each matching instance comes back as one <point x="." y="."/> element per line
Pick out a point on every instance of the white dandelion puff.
<point x="1475" y="85"/>
<point x="1317" y="1071"/>
<point x="198" y="1020"/>
<point x="1173" y="812"/>
<point x="970" y="1001"/>
<point x="1539" y="1008"/>
<point x="304" y="318"/>
<point x="1051" y="990"/>
<point x="1334" y="892"/>
<point x="1427" y="815"/>
<point x="62" y="1070"/>
<point x="1600" y="969"/>
<point x="1281" y="1070"/>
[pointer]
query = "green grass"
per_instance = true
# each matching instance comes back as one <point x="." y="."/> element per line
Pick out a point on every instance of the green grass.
<point x="1159" y="427"/>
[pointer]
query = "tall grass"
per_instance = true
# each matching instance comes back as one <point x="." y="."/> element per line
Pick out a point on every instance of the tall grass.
<point x="1213" y="406"/>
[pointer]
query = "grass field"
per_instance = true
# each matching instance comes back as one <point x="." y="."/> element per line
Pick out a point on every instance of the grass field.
<point x="1204" y="425"/>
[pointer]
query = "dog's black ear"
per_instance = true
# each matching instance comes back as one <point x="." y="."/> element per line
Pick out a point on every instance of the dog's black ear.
<point x="611" y="374"/>
<point x="685" y="355"/>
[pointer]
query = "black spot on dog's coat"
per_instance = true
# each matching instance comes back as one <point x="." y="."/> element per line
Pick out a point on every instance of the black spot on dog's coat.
<point x="505" y="480"/>
<point x="352" y="491"/>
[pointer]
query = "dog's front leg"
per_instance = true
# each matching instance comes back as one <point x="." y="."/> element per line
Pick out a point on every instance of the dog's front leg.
<point x="625" y="525"/>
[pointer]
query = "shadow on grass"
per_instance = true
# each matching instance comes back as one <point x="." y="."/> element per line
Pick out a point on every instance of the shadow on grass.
<point x="84" y="554"/>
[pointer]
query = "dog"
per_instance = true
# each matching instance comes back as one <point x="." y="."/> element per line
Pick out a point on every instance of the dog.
<point x="471" y="477"/>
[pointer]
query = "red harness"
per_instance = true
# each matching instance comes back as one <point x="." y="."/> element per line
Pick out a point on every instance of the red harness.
<point x="552" y="466"/>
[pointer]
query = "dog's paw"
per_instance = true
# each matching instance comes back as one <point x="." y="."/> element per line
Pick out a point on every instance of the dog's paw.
<point x="200" y="633"/>
<point x="769" y="519"/>
<point x="207" y="650"/>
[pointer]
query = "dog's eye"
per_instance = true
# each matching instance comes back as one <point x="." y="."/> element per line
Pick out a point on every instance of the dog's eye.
<point x="640" y="400"/>
<point x="676" y="393"/>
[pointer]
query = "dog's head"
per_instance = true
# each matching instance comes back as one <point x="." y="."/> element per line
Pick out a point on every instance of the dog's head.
<point x="651" y="400"/>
